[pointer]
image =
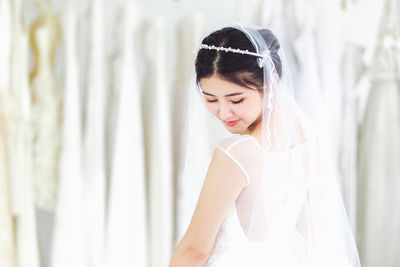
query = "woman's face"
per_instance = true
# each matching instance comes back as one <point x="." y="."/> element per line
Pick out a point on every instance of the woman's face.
<point x="236" y="106"/>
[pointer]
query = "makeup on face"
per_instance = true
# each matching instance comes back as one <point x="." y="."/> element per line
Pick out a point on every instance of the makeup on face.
<point x="235" y="106"/>
<point x="231" y="123"/>
<point x="228" y="95"/>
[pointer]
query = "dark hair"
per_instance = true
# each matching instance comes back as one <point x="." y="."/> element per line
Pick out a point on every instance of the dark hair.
<point x="238" y="68"/>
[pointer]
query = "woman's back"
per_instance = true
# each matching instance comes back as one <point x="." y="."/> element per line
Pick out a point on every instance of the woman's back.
<point x="265" y="224"/>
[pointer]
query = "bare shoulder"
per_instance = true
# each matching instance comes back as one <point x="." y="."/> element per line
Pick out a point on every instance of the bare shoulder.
<point x="245" y="152"/>
<point x="222" y="185"/>
<point x="225" y="168"/>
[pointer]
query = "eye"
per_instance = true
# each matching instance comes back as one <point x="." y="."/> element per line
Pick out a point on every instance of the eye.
<point x="211" y="101"/>
<point x="237" y="102"/>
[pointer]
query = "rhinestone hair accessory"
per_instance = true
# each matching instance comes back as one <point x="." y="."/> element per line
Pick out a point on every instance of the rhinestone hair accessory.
<point x="262" y="57"/>
<point x="230" y="49"/>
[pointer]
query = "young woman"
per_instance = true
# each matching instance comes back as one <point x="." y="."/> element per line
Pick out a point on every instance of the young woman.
<point x="267" y="199"/>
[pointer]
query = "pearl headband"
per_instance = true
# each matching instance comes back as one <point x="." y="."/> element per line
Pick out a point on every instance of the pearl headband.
<point x="264" y="55"/>
<point x="229" y="49"/>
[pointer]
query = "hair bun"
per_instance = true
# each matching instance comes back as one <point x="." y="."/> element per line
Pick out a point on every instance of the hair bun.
<point x="271" y="40"/>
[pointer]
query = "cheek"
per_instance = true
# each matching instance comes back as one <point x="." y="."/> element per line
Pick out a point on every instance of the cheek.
<point x="212" y="108"/>
<point x="251" y="109"/>
<point x="243" y="110"/>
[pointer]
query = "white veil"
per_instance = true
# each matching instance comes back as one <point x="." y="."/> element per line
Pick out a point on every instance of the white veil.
<point x="294" y="205"/>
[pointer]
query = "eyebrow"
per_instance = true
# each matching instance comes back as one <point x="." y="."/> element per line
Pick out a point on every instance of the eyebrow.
<point x="233" y="94"/>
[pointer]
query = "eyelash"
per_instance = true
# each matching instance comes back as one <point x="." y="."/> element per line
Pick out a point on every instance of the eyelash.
<point x="233" y="102"/>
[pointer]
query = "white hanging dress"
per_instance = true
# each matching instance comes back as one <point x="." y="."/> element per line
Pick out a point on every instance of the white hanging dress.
<point x="68" y="234"/>
<point x="20" y="157"/>
<point x="329" y="55"/>
<point x="379" y="150"/>
<point x="7" y="253"/>
<point x="7" y="242"/>
<point x="352" y="84"/>
<point x="94" y="172"/>
<point x="158" y="139"/>
<point x="126" y="235"/>
<point x="45" y="117"/>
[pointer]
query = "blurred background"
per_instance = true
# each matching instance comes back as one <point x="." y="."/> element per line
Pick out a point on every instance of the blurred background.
<point x="93" y="120"/>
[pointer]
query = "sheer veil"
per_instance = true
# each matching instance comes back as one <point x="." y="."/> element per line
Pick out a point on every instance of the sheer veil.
<point x="295" y="205"/>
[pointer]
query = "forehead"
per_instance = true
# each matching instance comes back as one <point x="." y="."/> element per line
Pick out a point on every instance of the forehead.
<point x="220" y="87"/>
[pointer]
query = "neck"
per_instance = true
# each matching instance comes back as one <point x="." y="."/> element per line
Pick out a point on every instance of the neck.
<point x="255" y="126"/>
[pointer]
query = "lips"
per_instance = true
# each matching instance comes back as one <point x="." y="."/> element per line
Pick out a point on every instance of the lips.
<point x="231" y="123"/>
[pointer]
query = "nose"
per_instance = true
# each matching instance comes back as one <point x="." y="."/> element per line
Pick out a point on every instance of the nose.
<point x="225" y="111"/>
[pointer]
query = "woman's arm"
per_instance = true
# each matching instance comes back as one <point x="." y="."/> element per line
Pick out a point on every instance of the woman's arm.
<point x="222" y="185"/>
<point x="185" y="255"/>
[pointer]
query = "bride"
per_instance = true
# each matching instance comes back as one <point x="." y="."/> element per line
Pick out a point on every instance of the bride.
<point x="268" y="198"/>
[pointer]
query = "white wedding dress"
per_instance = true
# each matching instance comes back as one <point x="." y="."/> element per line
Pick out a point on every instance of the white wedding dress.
<point x="68" y="247"/>
<point x="378" y="217"/>
<point x="7" y="242"/>
<point x="94" y="171"/>
<point x="126" y="228"/>
<point x="46" y="115"/>
<point x="279" y="242"/>
<point x="156" y="120"/>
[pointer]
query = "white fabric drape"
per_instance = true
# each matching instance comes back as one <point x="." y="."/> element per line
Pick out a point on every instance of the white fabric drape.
<point x="308" y="94"/>
<point x="94" y="141"/>
<point x="127" y="222"/>
<point x="68" y="236"/>
<point x="352" y="87"/>
<point x="7" y="253"/>
<point x="329" y="54"/>
<point x="20" y="148"/>
<point x="157" y="126"/>
<point x="45" y="109"/>
<point x="379" y="152"/>
<point x="6" y="230"/>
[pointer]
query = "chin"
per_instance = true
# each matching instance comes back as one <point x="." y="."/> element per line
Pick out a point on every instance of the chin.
<point x="234" y="130"/>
